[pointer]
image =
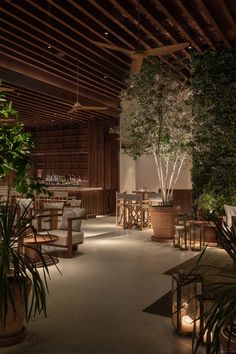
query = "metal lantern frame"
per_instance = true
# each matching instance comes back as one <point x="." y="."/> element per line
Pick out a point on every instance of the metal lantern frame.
<point x="186" y="288"/>
<point x="181" y="237"/>
<point x="205" y="303"/>
<point x="196" y="235"/>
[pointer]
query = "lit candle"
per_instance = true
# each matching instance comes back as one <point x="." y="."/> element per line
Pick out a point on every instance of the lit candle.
<point x="187" y="324"/>
<point x="184" y="309"/>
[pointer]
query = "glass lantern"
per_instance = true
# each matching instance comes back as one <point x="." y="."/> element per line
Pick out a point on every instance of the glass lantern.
<point x="181" y="233"/>
<point x="185" y="305"/>
<point x="196" y="239"/>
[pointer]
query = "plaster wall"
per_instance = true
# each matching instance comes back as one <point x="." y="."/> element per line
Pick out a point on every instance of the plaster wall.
<point x="127" y="173"/>
<point x="142" y="174"/>
<point x="146" y="175"/>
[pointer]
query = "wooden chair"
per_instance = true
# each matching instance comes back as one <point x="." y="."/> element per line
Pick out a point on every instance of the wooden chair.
<point x="120" y="209"/>
<point x="68" y="231"/>
<point x="135" y="212"/>
<point x="60" y="196"/>
<point x="153" y="198"/>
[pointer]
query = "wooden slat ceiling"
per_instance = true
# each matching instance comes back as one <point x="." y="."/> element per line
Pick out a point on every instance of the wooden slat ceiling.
<point x="42" y="41"/>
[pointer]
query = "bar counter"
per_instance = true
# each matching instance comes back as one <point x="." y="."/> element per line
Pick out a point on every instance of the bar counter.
<point x="92" y="198"/>
<point x="96" y="200"/>
<point x="72" y="188"/>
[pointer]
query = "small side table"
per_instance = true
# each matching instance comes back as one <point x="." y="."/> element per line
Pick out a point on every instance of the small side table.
<point x="35" y="243"/>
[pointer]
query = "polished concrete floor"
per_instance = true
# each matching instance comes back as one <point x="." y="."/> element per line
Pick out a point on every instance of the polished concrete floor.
<point x="95" y="306"/>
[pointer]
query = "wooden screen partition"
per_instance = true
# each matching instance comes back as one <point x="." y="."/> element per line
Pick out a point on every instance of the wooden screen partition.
<point x="86" y="150"/>
<point x="183" y="197"/>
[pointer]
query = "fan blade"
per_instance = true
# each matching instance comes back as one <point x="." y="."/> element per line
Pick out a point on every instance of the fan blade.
<point x="6" y="89"/>
<point x="114" y="47"/>
<point x="166" y="49"/>
<point x="92" y="108"/>
<point x="86" y="108"/>
<point x="71" y="110"/>
<point x="7" y="120"/>
<point x="136" y="64"/>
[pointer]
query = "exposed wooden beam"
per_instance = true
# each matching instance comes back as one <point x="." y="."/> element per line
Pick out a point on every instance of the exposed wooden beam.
<point x="35" y="73"/>
<point x="158" y="25"/>
<point x="176" y="21"/>
<point x="196" y="23"/>
<point x="229" y="17"/>
<point x="212" y="20"/>
<point x="132" y="19"/>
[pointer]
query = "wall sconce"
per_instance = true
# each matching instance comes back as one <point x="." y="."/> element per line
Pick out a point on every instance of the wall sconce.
<point x="185" y="305"/>
<point x="196" y="235"/>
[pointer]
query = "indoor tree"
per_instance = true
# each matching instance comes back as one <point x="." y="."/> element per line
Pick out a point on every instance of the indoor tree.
<point x="159" y="122"/>
<point x="15" y="146"/>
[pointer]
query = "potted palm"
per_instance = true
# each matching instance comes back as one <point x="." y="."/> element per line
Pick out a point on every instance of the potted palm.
<point x="219" y="329"/>
<point x="158" y="122"/>
<point x="18" y="272"/>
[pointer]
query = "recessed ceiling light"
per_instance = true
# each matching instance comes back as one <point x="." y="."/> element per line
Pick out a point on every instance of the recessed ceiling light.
<point x="52" y="120"/>
<point x="18" y="94"/>
<point x="105" y="77"/>
<point x="106" y="33"/>
<point x="49" y="47"/>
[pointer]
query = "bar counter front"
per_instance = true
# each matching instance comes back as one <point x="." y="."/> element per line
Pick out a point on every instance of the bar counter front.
<point x="96" y="200"/>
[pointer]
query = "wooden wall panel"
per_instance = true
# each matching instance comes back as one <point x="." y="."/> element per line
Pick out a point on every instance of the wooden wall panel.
<point x="86" y="150"/>
<point x="103" y="155"/>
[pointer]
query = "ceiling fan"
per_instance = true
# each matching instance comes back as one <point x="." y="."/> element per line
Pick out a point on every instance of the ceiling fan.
<point x="140" y="53"/>
<point x="6" y="89"/>
<point x="77" y="106"/>
<point x="6" y="120"/>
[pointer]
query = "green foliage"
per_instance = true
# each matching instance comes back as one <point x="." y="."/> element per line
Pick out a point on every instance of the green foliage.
<point x="210" y="201"/>
<point x="6" y="108"/>
<point x="155" y="105"/>
<point x="32" y="186"/>
<point x="222" y="314"/>
<point x="214" y="109"/>
<point x="15" y="146"/>
<point x="18" y="268"/>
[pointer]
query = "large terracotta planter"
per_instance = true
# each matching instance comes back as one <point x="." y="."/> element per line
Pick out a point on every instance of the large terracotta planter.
<point x="14" y="329"/>
<point x="224" y="342"/>
<point x="162" y="221"/>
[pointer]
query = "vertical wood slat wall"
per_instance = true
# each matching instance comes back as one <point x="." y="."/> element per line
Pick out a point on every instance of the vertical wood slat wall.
<point x="86" y="150"/>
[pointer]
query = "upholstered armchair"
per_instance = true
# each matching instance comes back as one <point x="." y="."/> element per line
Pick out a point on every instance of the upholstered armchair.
<point x="68" y="230"/>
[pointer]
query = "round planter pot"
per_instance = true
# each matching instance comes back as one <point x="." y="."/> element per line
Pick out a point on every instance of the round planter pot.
<point x="224" y="342"/>
<point x="14" y="329"/>
<point x="162" y="220"/>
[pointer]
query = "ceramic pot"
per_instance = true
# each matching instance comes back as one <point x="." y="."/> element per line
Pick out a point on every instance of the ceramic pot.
<point x="162" y="221"/>
<point x="13" y="331"/>
<point x="224" y="341"/>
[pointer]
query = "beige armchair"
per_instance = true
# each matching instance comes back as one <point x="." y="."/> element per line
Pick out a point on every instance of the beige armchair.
<point x="68" y="230"/>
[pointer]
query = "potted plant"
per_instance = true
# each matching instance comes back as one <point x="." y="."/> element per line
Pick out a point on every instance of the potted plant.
<point x="158" y="122"/>
<point x="219" y="329"/>
<point x="18" y="272"/>
<point x="18" y="276"/>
